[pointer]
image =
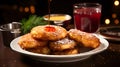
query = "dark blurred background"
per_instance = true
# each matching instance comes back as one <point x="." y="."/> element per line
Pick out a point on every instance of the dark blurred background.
<point x="15" y="10"/>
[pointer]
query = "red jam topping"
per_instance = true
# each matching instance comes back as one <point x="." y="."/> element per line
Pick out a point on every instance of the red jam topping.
<point x="50" y="29"/>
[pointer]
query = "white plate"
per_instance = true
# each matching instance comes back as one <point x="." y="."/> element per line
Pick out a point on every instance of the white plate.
<point x="60" y="58"/>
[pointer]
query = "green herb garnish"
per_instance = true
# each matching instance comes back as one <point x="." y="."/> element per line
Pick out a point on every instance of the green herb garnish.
<point x="32" y="21"/>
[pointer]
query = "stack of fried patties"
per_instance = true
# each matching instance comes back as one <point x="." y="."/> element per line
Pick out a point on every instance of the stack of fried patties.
<point x="48" y="39"/>
<point x="56" y="40"/>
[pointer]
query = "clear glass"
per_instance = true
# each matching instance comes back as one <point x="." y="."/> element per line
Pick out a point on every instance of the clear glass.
<point x="87" y="16"/>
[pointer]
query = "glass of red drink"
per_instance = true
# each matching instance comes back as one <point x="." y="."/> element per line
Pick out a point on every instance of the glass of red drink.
<point x="87" y="16"/>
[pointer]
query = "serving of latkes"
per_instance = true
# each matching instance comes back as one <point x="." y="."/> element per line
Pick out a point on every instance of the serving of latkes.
<point x="56" y="40"/>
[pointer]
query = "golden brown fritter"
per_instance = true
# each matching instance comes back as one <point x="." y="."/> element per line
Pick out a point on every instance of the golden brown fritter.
<point x="62" y="44"/>
<point x="87" y="39"/>
<point x="40" y="50"/>
<point x="27" y="41"/>
<point x="56" y="40"/>
<point x="48" y="32"/>
<point x="66" y="52"/>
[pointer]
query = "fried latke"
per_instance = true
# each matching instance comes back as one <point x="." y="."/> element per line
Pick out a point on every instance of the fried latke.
<point x="62" y="44"/>
<point x="66" y="52"/>
<point x="41" y="50"/>
<point x="87" y="39"/>
<point x="48" y="32"/>
<point x="27" y="41"/>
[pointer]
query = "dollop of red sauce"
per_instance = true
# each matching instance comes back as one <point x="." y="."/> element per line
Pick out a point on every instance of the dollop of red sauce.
<point x="50" y="29"/>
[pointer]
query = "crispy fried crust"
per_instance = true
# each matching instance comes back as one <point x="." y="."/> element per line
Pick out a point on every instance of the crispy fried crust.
<point x="67" y="52"/>
<point x="41" y="50"/>
<point x="62" y="44"/>
<point x="27" y="41"/>
<point x="87" y="39"/>
<point x="40" y="32"/>
<point x="56" y="40"/>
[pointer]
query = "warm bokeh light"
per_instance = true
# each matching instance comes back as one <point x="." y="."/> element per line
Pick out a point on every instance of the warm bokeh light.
<point x="32" y="9"/>
<point x="107" y="21"/>
<point x="21" y="9"/>
<point x="116" y="21"/>
<point x="114" y="15"/>
<point x="26" y="9"/>
<point x="116" y="3"/>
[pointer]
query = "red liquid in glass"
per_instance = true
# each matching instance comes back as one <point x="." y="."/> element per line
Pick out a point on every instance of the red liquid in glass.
<point x="87" y="19"/>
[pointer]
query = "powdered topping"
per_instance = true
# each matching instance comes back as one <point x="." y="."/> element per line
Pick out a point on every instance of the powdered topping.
<point x="63" y="41"/>
<point x="77" y="31"/>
